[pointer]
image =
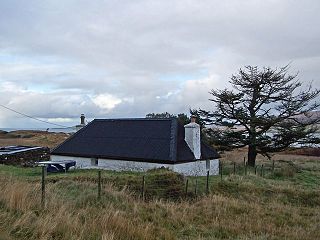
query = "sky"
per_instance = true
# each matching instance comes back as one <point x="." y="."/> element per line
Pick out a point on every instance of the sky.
<point x="127" y="58"/>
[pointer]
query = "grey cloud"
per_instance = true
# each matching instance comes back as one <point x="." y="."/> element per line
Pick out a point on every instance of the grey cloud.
<point x="77" y="50"/>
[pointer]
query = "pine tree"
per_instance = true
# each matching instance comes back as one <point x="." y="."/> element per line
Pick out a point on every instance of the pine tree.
<point x="268" y="110"/>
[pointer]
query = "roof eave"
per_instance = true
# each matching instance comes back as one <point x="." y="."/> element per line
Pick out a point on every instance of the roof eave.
<point x="160" y="161"/>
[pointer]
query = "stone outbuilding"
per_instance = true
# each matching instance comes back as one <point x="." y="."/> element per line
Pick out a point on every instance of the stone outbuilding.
<point x="25" y="156"/>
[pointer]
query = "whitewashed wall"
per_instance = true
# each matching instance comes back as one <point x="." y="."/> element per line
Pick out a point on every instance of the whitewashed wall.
<point x="198" y="168"/>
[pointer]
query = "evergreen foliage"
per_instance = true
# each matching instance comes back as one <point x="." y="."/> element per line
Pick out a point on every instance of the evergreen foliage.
<point x="268" y="110"/>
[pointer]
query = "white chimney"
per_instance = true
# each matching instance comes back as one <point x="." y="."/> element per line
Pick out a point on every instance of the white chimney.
<point x="192" y="137"/>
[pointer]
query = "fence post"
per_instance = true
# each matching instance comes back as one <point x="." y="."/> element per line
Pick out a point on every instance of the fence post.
<point x="143" y="188"/>
<point x="245" y="169"/>
<point x="234" y="168"/>
<point x="43" y="187"/>
<point x="196" y="187"/>
<point x="187" y="183"/>
<point x="99" y="184"/>
<point x="220" y="165"/>
<point x="262" y="170"/>
<point x="207" y="187"/>
<point x="272" y="166"/>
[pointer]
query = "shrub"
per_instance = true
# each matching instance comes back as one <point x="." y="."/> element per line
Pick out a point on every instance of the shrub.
<point x="164" y="183"/>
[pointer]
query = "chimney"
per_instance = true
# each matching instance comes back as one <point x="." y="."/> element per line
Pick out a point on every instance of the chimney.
<point x="82" y="119"/>
<point x="192" y="137"/>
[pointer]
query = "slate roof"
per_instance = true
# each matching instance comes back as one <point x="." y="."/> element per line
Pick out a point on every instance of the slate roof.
<point x="148" y="140"/>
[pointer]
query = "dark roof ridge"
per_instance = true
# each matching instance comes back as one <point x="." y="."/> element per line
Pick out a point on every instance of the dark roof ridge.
<point x="130" y="119"/>
<point x="173" y="139"/>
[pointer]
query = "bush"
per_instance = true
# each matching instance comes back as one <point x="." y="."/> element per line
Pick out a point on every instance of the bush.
<point x="164" y="183"/>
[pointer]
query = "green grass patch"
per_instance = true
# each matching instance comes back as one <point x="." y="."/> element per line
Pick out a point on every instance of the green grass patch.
<point x="276" y="206"/>
<point x="22" y="172"/>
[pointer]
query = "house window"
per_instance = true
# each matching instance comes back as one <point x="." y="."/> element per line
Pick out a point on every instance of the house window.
<point x="94" y="161"/>
<point x="208" y="164"/>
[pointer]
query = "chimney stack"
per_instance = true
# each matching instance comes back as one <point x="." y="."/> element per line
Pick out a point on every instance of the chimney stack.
<point x="192" y="137"/>
<point x="82" y="119"/>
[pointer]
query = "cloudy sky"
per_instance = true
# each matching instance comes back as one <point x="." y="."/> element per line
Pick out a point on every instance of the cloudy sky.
<point x="114" y="58"/>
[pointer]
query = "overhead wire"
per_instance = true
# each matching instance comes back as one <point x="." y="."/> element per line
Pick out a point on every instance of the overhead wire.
<point x="34" y="118"/>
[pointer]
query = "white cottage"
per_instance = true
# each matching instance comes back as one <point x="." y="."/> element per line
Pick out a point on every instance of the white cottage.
<point x="140" y="145"/>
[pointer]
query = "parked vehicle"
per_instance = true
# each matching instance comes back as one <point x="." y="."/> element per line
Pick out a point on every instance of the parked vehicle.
<point x="58" y="166"/>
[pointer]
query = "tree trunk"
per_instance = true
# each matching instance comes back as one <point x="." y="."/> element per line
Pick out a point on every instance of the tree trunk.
<point x="252" y="154"/>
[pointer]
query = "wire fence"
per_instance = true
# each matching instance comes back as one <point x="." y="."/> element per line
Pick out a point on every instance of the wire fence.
<point x="165" y="184"/>
<point x="234" y="168"/>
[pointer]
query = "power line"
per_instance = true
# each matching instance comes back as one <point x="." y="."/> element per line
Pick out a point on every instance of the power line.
<point x="37" y="119"/>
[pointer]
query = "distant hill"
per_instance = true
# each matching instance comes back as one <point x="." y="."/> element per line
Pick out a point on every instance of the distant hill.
<point x="309" y="117"/>
<point x="32" y="138"/>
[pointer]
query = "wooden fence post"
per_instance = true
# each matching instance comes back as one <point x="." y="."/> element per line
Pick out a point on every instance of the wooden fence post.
<point x="245" y="169"/>
<point x="234" y="168"/>
<point x="43" y="186"/>
<point x="187" y="183"/>
<point x="207" y="187"/>
<point x="262" y="170"/>
<point x="99" y="184"/>
<point x="196" y="187"/>
<point x="272" y="166"/>
<point x="143" y="188"/>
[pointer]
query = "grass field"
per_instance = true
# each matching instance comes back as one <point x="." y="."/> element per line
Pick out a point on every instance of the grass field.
<point x="284" y="204"/>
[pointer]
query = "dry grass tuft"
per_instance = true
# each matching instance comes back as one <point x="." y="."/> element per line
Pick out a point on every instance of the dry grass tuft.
<point x="239" y="207"/>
